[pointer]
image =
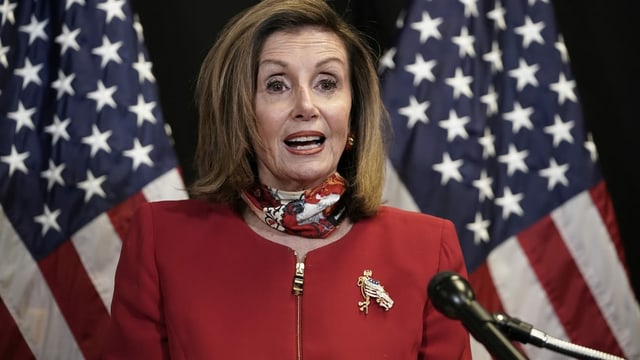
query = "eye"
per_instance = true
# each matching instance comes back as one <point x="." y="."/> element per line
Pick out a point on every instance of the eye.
<point x="276" y="85"/>
<point x="328" y="84"/>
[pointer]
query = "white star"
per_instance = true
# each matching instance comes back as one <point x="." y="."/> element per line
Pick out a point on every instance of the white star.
<point x="460" y="84"/>
<point x="560" y="131"/>
<point x="97" y="140"/>
<point x="63" y="84"/>
<point x="427" y="27"/>
<point x="113" y="8"/>
<point x="562" y="49"/>
<point x="564" y="88"/>
<point x="67" y="39"/>
<point x="483" y="184"/>
<point x="494" y="57"/>
<point x="449" y="169"/>
<point x="470" y="8"/>
<point x="103" y="96"/>
<point x="465" y="43"/>
<point x="48" y="220"/>
<point x="4" y="50"/>
<point x="497" y="15"/>
<point x="108" y="51"/>
<point x="15" y="160"/>
<point x="555" y="174"/>
<point x="6" y="9"/>
<point x="590" y="145"/>
<point x="53" y="174"/>
<point x="510" y="203"/>
<point x="58" y="129"/>
<point x="92" y="186"/>
<point x="455" y="126"/>
<point x="479" y="228"/>
<point x="519" y="117"/>
<point x="29" y="73"/>
<point x="487" y="142"/>
<point x="35" y="29"/>
<point x="386" y="61"/>
<point x="143" y="111"/>
<point x="415" y="111"/>
<point x="530" y="32"/>
<point x="139" y="154"/>
<point x="491" y="100"/>
<point x="137" y="26"/>
<point x="22" y="117"/>
<point x="421" y="70"/>
<point x="143" y="68"/>
<point x="71" y="2"/>
<point x="514" y="160"/>
<point x="525" y="74"/>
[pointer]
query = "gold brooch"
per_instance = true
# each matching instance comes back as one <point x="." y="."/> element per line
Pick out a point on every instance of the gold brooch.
<point x="371" y="288"/>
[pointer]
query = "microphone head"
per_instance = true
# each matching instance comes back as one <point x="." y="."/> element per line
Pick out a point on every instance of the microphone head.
<point x="450" y="293"/>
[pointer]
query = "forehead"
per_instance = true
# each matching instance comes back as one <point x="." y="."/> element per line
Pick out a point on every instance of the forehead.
<point x="304" y="40"/>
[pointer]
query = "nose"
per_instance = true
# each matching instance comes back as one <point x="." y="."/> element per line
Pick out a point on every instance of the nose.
<point x="305" y="108"/>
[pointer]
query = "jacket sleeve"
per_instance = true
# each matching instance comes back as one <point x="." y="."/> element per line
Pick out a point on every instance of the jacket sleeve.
<point x="444" y="338"/>
<point x="137" y="328"/>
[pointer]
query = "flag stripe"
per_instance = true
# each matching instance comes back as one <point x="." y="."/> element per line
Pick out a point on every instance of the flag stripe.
<point x="12" y="344"/>
<point x="29" y="300"/>
<point x="169" y="186"/>
<point x="602" y="201"/>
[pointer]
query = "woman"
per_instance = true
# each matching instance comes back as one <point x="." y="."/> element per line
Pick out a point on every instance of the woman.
<point x="285" y="252"/>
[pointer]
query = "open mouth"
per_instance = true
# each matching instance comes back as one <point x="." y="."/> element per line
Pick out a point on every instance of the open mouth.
<point x="305" y="142"/>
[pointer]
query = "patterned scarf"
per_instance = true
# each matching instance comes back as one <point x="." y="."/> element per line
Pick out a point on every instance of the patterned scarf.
<point x="312" y="213"/>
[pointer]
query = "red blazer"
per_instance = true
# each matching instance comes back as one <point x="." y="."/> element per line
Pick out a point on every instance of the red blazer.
<point x="195" y="282"/>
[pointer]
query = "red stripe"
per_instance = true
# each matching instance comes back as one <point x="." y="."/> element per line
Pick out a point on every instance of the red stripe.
<point x="77" y="298"/>
<point x="12" y="344"/>
<point x="602" y="201"/>
<point x="121" y="214"/>
<point x="569" y="295"/>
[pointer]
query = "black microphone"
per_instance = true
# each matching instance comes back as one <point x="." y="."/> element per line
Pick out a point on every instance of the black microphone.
<point x="452" y="295"/>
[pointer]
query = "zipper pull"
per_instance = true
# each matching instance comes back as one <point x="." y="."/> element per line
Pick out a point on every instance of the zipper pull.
<point x="298" y="279"/>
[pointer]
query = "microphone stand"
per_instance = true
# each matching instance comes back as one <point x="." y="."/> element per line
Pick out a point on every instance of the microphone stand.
<point x="518" y="330"/>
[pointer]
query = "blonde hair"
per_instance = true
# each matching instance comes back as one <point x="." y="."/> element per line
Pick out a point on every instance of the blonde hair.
<point x="225" y="95"/>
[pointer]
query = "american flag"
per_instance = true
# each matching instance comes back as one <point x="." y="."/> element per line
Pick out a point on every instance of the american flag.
<point x="82" y="143"/>
<point x="488" y="132"/>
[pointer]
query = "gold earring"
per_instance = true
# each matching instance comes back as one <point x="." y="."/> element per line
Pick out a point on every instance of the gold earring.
<point x="350" y="142"/>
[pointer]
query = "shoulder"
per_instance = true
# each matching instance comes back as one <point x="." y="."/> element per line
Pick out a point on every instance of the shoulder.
<point x="181" y="210"/>
<point x="399" y="217"/>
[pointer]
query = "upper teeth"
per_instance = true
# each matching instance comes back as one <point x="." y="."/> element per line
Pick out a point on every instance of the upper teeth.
<point x="305" y="138"/>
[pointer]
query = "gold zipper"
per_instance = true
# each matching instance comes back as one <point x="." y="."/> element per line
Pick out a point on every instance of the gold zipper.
<point x="298" y="283"/>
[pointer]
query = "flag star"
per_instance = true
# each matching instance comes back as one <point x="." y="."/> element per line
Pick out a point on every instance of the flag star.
<point x="415" y="111"/>
<point x="97" y="140"/>
<point x="35" y="29"/>
<point x="143" y="111"/>
<point x="590" y="145"/>
<point x="67" y="39"/>
<point x="494" y="57"/>
<point x="421" y="70"/>
<point x="560" y="131"/>
<point x="491" y="100"/>
<point x="108" y="51"/>
<point x="103" y="96"/>
<point x="4" y="50"/>
<point x="137" y="26"/>
<point x="460" y="84"/>
<point x="15" y="160"/>
<point x="427" y="27"/>
<point x="497" y="15"/>
<point x="564" y="88"/>
<point x="92" y="186"/>
<point x="562" y="49"/>
<point x="510" y="203"/>
<point x="487" y="142"/>
<point x="555" y="174"/>
<point x="455" y="126"/>
<point x="48" y="220"/>
<point x="479" y="227"/>
<point x="525" y="74"/>
<point x="139" y="154"/>
<point x="519" y="117"/>
<point x="29" y="73"/>
<point x="470" y="8"/>
<point x="530" y="32"/>
<point x="113" y="8"/>
<point x="449" y="169"/>
<point x="465" y="43"/>
<point x="143" y="68"/>
<point x="58" y="129"/>
<point x="63" y="84"/>
<point x="483" y="184"/>
<point x="71" y="2"/>
<point x="53" y="175"/>
<point x="386" y="61"/>
<point x="514" y="160"/>
<point x="6" y="9"/>
<point x="22" y="117"/>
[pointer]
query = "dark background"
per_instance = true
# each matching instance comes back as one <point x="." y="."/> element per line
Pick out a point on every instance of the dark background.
<point x="598" y="36"/>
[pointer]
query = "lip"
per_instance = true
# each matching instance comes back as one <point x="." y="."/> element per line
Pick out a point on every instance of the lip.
<point x="308" y="142"/>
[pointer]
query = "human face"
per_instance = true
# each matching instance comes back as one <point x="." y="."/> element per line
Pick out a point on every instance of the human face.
<point x="302" y="104"/>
